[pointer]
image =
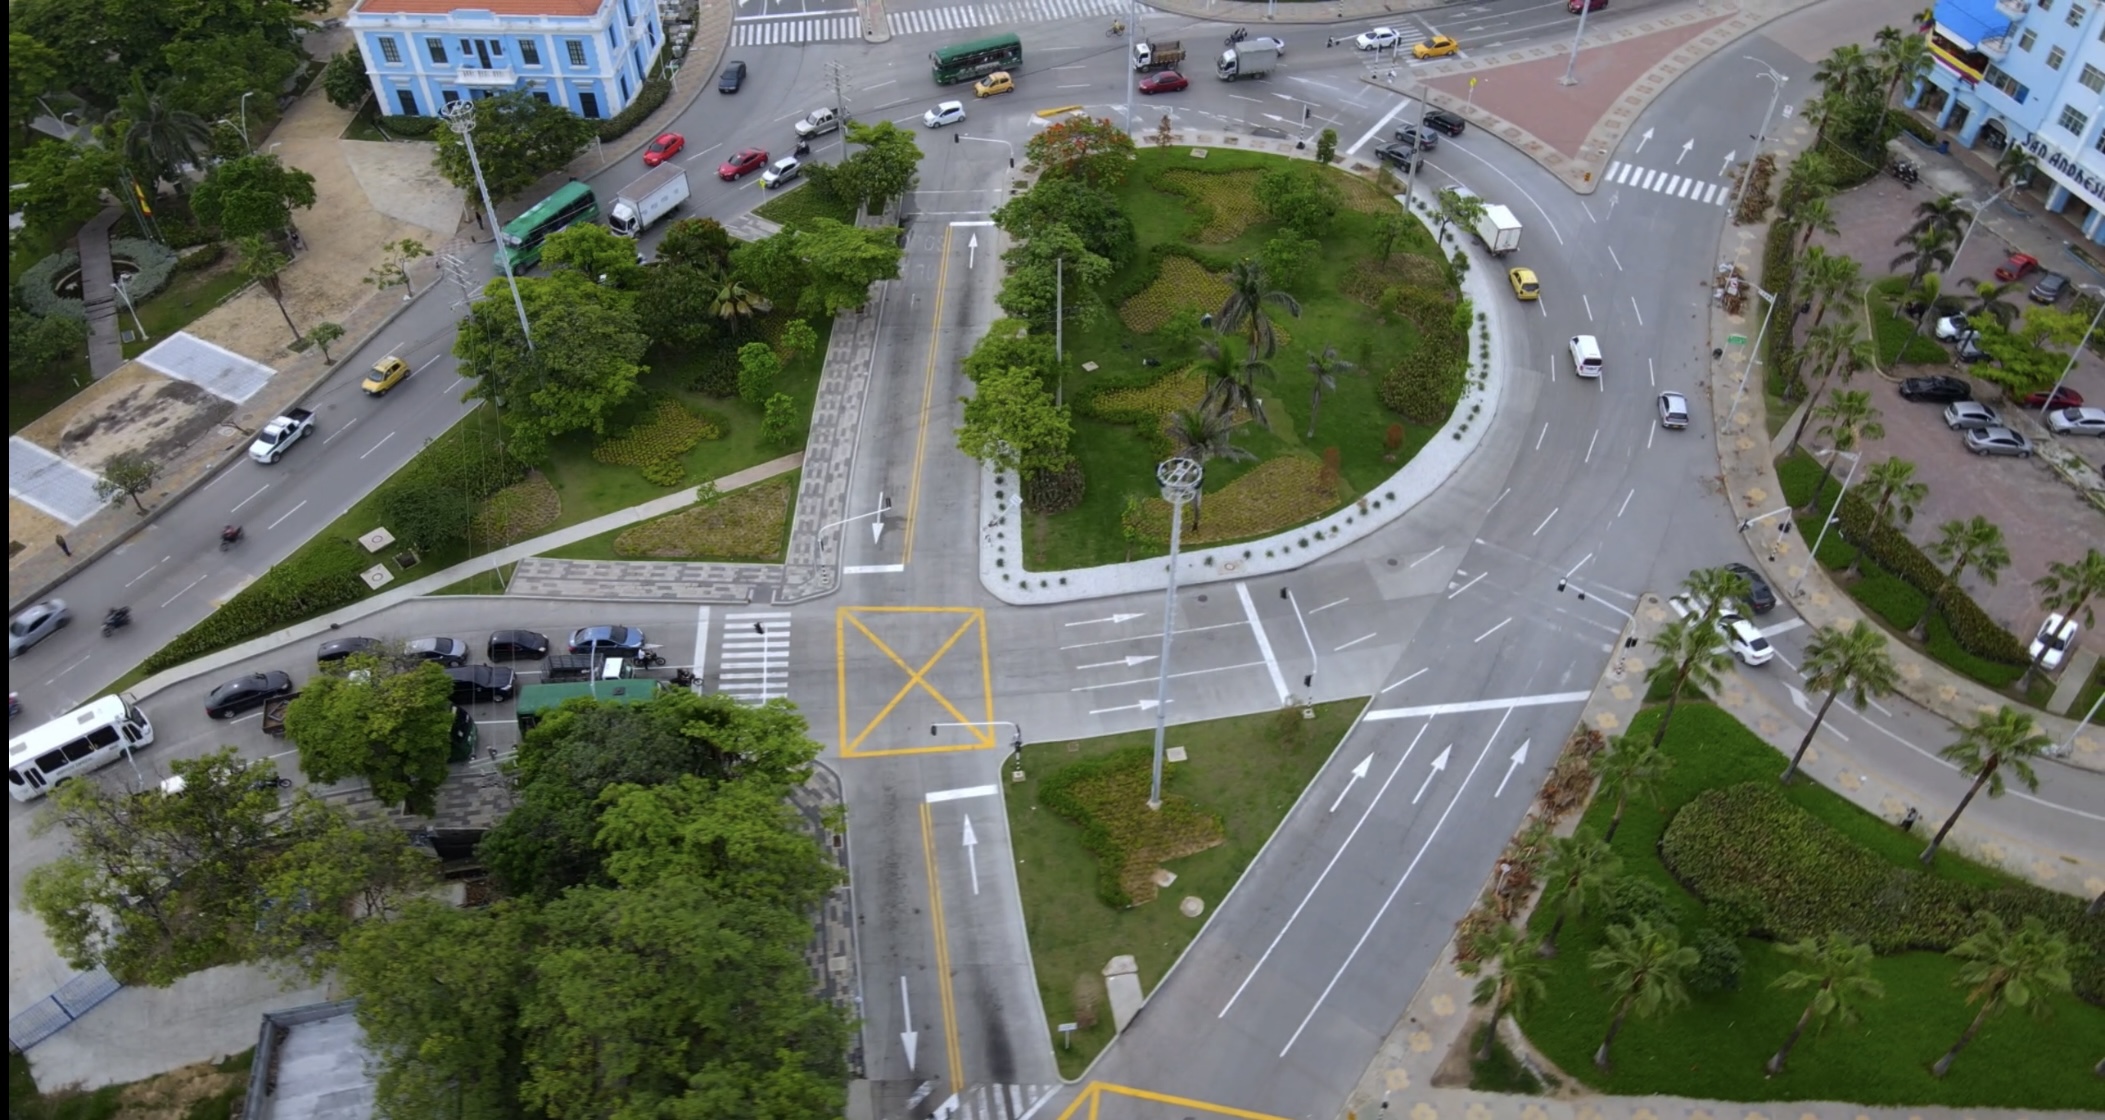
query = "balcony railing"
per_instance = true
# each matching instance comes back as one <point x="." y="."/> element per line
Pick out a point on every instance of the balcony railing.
<point x="2014" y="9"/>
<point x="502" y="77"/>
<point x="1996" y="48"/>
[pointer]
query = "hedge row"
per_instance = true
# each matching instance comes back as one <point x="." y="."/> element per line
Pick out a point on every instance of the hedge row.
<point x="416" y="128"/>
<point x="1778" y="276"/>
<point x="1759" y="861"/>
<point x="652" y="95"/>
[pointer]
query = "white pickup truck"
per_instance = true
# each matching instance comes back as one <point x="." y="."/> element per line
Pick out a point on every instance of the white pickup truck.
<point x="281" y="433"/>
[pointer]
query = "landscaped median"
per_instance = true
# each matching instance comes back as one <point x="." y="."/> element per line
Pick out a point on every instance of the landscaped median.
<point x="1088" y="849"/>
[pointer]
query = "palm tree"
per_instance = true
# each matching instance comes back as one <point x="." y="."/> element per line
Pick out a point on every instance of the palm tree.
<point x="2067" y="590"/>
<point x="158" y="137"/>
<point x="1846" y="417"/>
<point x="1992" y="741"/>
<point x="2003" y="969"/>
<point x="1928" y="248"/>
<point x="1249" y="290"/>
<point x="1645" y="966"/>
<point x="1900" y="57"/>
<point x="1846" y="71"/>
<point x="1691" y="651"/>
<point x="1583" y="864"/>
<point x="730" y="300"/>
<point x="1324" y="368"/>
<point x="1232" y="381"/>
<point x="1894" y="490"/>
<point x="1814" y="214"/>
<point x="1713" y="588"/>
<point x="1629" y="769"/>
<point x="1841" y="348"/>
<point x="1829" y="278"/>
<point x="1854" y="660"/>
<point x="1201" y="434"/>
<point x="1838" y="971"/>
<point x="1976" y="545"/>
<point x="1993" y="299"/>
<point x="1517" y="982"/>
<point x="1931" y="288"/>
<point x="1948" y="212"/>
<point x="2015" y="165"/>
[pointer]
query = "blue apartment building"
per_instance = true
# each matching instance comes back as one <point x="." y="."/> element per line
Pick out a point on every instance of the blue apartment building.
<point x="589" y="56"/>
<point x="2032" y="73"/>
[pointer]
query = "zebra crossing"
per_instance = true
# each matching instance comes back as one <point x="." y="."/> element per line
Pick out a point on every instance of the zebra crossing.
<point x="753" y="662"/>
<point x="763" y="31"/>
<point x="993" y="1102"/>
<point x="1668" y="183"/>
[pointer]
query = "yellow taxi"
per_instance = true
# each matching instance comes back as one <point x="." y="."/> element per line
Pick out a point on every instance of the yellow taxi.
<point x="997" y="82"/>
<point x="1439" y="46"/>
<point x="387" y="373"/>
<point x="1525" y="286"/>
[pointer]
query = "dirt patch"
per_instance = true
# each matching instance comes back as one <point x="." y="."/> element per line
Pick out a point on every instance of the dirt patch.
<point x="172" y="1095"/>
<point x="159" y="418"/>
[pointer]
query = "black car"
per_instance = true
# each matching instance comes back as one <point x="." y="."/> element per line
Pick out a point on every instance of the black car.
<point x="1968" y="349"/>
<point x="1445" y="121"/>
<point x="448" y="652"/>
<point x="242" y="693"/>
<point x="1404" y="156"/>
<point x="2051" y="287"/>
<point x="517" y="645"/>
<point x="734" y="76"/>
<point x="336" y="649"/>
<point x="1424" y="138"/>
<point x="1935" y="390"/>
<point x="610" y="641"/>
<point x="474" y="683"/>
<point x="1760" y="596"/>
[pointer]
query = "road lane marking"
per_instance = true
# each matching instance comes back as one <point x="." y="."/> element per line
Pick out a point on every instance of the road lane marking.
<point x="1173" y="676"/>
<point x="1466" y="706"/>
<point x="872" y="569"/>
<point x="149" y="570"/>
<point x="939" y="795"/>
<point x="179" y="594"/>
<point x="1264" y="644"/>
<point x="1378" y="126"/>
<point x="1325" y="874"/>
<point x="1545" y="523"/>
<point x="1400" y="881"/>
<point x="1152" y="636"/>
<point x="942" y="941"/>
<point x="1353" y="642"/>
<point x="1472" y="583"/>
<point x="1638" y="311"/>
<point x="1494" y="629"/>
<point x="928" y="393"/>
<point x="377" y="446"/>
<point x="701" y="647"/>
<point x="288" y="513"/>
<point x="1405" y="681"/>
<point x="1333" y="603"/>
<point x="1424" y="558"/>
<point x="331" y="437"/>
<point x="1575" y="567"/>
<point x="250" y="498"/>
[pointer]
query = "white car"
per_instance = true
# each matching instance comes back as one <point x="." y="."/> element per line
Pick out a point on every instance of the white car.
<point x="2056" y="634"/>
<point x="1744" y="640"/>
<point x="949" y="112"/>
<point x="779" y="172"/>
<point x="1379" y="39"/>
<point x="1962" y="416"/>
<point x="1673" y="410"/>
<point x="2077" y="421"/>
<point x="1277" y="44"/>
<point x="1951" y="328"/>
<point x="35" y="624"/>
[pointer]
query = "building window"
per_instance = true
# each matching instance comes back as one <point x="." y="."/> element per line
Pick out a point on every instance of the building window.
<point x="577" y="52"/>
<point x="449" y="96"/>
<point x="588" y="106"/>
<point x="529" y="53"/>
<point x="541" y="96"/>
<point x="2075" y="15"/>
<point x="2046" y="5"/>
<point x="407" y="101"/>
<point x="613" y="40"/>
<point x="627" y="16"/>
<point x="2055" y="58"/>
<point x="2099" y="143"/>
<point x="390" y="53"/>
<point x="2011" y="87"/>
<point x="2092" y="78"/>
<point x="437" y="49"/>
<point x="624" y="78"/>
<point x="2026" y="38"/>
<point x="2073" y="119"/>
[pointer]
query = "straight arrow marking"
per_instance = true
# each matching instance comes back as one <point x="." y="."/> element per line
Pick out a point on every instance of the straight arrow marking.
<point x="907" y="1036"/>
<point x="1438" y="765"/>
<point x="1114" y="619"/>
<point x="971" y="856"/>
<point x="1519" y="757"/>
<point x="1685" y="149"/>
<point x="1642" y="141"/>
<point x="1358" y="772"/>
<point x="1729" y="157"/>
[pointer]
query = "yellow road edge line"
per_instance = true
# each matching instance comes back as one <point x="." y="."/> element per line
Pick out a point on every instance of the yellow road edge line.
<point x="942" y="937"/>
<point x="940" y="749"/>
<point x="986" y="674"/>
<point x="1183" y="1102"/>
<point x="928" y="396"/>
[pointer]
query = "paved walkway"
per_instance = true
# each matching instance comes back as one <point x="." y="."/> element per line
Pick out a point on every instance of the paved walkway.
<point x="98" y="280"/>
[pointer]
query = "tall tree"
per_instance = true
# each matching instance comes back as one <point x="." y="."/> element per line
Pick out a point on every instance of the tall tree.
<point x="883" y="167"/>
<point x="596" y="253"/>
<point x="1095" y="151"/>
<point x="842" y="262"/>
<point x="585" y="361"/>
<point x="1840" y="347"/>
<point x="1829" y="278"/>
<point x="1925" y="249"/>
<point x="1848" y="71"/>
<point x="1974" y="545"/>
<point x="1250" y="292"/>
<point x="1894" y="491"/>
<point x="1049" y="275"/>
<point x="1514" y="981"/>
<point x="1323" y="370"/>
<point x="1949" y="212"/>
<point x="1856" y="660"/>
<point x="731" y="302"/>
<point x="1580" y="866"/>
<point x="1993" y="741"/>
<point x="159" y="138"/>
<point x="2017" y="165"/>
<point x="393" y="727"/>
<point x="1231" y="378"/>
<point x="254" y="195"/>
<point x="59" y="185"/>
<point x="1814" y="215"/>
<point x="1627" y="769"/>
<point x="1300" y="197"/>
<point x="126" y="475"/>
<point x="2002" y="969"/>
<point x="1092" y="213"/>
<point x="1691" y="652"/>
<point x="518" y="139"/>
<point x="1012" y="424"/>
<point x="1901" y="59"/>
<point x="1713" y="590"/>
<point x="1645" y="967"/>
<point x="1993" y="300"/>
<point x="696" y="242"/>
<point x="1838" y="970"/>
<point x="1846" y="418"/>
<point x="2067" y="590"/>
<point x="262" y="263"/>
<point x="1203" y="434"/>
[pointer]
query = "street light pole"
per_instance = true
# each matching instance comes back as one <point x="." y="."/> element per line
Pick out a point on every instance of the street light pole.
<point x="1977" y="212"/>
<point x="1577" y="34"/>
<point x="1125" y="59"/>
<point x="460" y="117"/>
<point x="1754" y="357"/>
<point x="1180" y="480"/>
<point x="1856" y="459"/>
<point x="1308" y="682"/>
<point x="2059" y="382"/>
<point x="1761" y="137"/>
<point x="245" y="143"/>
<point x="123" y="285"/>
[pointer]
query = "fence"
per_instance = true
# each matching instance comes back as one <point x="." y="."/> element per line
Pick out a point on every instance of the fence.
<point x="54" y="1012"/>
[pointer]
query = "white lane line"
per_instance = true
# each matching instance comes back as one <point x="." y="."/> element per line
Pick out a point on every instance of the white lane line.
<point x="1353" y="642"/>
<point x="1588" y="301"/>
<point x="331" y="437"/>
<point x="1502" y="494"/>
<point x="701" y="646"/>
<point x="1637" y="311"/>
<point x="1465" y="706"/>
<point x="1544" y="433"/>
<point x="1330" y="604"/>
<point x="1618" y="260"/>
<point x="1545" y="523"/>
<point x="1626" y="501"/>
<point x="1424" y="558"/>
<point x="1651" y="431"/>
<point x="287" y="513"/>
<point x="1590" y="446"/>
<point x="377" y="446"/>
<point x="1510" y="181"/>
<point x="1137" y="681"/>
<point x="1325" y="873"/>
<point x="1264" y="644"/>
<point x="1493" y="630"/>
<point x="1155" y="636"/>
<point x="938" y="796"/>
<point x="1940" y="760"/>
<point x="1652" y="373"/>
<point x="1782" y="627"/>
<point x="1470" y="584"/>
<point x="1375" y="923"/>
<point x="1575" y="567"/>
<point x="1405" y="681"/>
<point x="250" y="498"/>
<point x="1378" y="126"/>
<point x="872" y="569"/>
<point x="149" y="570"/>
<point x="180" y="594"/>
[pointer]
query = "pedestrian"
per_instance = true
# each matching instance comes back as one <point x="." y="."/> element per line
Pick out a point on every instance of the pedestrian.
<point x="478" y="220"/>
<point x="62" y="545"/>
<point x="1907" y="823"/>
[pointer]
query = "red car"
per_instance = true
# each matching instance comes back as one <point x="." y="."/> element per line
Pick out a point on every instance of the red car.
<point x="742" y="164"/>
<point x="2017" y="267"/>
<point x="663" y="148"/>
<point x="2061" y="398"/>
<point x="1166" y="81"/>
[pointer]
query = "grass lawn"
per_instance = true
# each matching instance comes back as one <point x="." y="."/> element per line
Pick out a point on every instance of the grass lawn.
<point x="1120" y="460"/>
<point x="206" y="1091"/>
<point x="1248" y="769"/>
<point x="30" y="397"/>
<point x="186" y="298"/>
<point x="1715" y="1046"/>
<point x="799" y="205"/>
<point x="748" y="526"/>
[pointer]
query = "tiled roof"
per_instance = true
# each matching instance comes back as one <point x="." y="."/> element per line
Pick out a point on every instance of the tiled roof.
<point x="496" y="7"/>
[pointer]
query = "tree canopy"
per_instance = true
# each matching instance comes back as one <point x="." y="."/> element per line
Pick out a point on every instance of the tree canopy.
<point x="1090" y="212"/>
<point x="841" y="262"/>
<point x="586" y="358"/>
<point x="595" y="252"/>
<point x="252" y="196"/>
<point x="391" y="726"/>
<point x="1090" y="149"/>
<point x="882" y="169"/>
<point x="1038" y="267"/>
<point x="518" y="139"/>
<point x="1012" y="424"/>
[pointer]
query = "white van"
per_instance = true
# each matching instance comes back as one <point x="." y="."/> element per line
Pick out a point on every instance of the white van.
<point x="1586" y="355"/>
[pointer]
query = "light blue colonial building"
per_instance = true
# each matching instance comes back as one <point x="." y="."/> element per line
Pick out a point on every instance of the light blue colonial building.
<point x="2027" y="72"/>
<point x="589" y="56"/>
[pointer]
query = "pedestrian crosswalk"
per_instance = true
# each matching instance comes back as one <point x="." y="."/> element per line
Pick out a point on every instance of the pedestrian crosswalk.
<point x="1666" y="182"/>
<point x="993" y="1102"/>
<point x="753" y="663"/>
<point x="956" y="18"/>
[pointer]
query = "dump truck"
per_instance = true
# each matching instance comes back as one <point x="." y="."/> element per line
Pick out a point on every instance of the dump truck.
<point x="1247" y="60"/>
<point x="640" y="204"/>
<point x="1149" y="56"/>
<point x="1498" y="229"/>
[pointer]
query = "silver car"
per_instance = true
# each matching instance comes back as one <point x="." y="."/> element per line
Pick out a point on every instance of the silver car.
<point x="35" y="624"/>
<point x="1998" y="441"/>
<point x="1970" y="415"/>
<point x="1673" y="410"/>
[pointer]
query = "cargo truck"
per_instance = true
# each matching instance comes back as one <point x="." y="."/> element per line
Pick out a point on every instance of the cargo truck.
<point x="1152" y="56"/>
<point x="640" y="204"/>
<point x="1247" y="60"/>
<point x="536" y="701"/>
<point x="1498" y="229"/>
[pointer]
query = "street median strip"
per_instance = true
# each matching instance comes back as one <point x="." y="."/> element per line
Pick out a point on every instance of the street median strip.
<point x="1049" y="113"/>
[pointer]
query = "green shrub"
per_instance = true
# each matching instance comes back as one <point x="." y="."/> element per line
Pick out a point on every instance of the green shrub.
<point x="201" y="258"/>
<point x="1719" y="964"/>
<point x="1889" y="598"/>
<point x="1908" y="122"/>
<point x="1778" y="269"/>
<point x="652" y="95"/>
<point x="1946" y="647"/>
<point x="1055" y="491"/>
<point x="1107" y="798"/>
<point x="1836" y="553"/>
<point x="718" y="373"/>
<point x="315" y="580"/>
<point x="1802" y="877"/>
<point x="416" y="128"/>
<point x="1626" y="899"/>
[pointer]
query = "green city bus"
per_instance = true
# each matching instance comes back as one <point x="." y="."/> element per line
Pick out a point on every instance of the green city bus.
<point x="522" y="236"/>
<point x="975" y="59"/>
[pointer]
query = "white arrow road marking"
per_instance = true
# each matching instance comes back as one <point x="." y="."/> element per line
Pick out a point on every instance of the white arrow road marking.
<point x="971" y="251"/>
<point x="1439" y="764"/>
<point x="906" y="1007"/>
<point x="1685" y="149"/>
<point x="1519" y="757"/>
<point x="1140" y="706"/>
<point x="1113" y="618"/>
<point x="1358" y="772"/>
<point x="972" y="857"/>
<point x="1729" y="157"/>
<point x="1642" y="141"/>
<point x="1127" y="661"/>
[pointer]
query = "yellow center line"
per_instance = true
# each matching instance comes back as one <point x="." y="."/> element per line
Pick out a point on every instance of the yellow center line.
<point x="942" y="937"/>
<point x="928" y="395"/>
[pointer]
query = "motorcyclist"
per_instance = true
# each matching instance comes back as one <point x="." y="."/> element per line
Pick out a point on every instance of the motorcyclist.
<point x="230" y="534"/>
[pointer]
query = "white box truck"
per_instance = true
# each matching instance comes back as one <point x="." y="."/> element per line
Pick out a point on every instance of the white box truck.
<point x="1247" y="60"/>
<point x="1498" y="229"/>
<point x="640" y="204"/>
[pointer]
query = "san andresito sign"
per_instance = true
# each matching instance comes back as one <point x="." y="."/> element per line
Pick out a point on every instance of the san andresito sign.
<point x="2066" y="167"/>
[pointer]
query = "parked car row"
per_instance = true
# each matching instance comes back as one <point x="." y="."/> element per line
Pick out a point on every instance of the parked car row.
<point x="2065" y="414"/>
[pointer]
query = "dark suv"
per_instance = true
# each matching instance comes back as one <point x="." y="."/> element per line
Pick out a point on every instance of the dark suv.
<point x="1445" y="121"/>
<point x="1404" y="156"/>
<point x="336" y="649"/>
<point x="517" y="645"/>
<point x="1937" y="390"/>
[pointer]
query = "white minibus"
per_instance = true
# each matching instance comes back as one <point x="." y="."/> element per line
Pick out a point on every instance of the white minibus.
<point x="82" y="740"/>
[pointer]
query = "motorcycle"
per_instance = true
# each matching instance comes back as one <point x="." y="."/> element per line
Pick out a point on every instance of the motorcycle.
<point x="1116" y="29"/>
<point x="271" y="783"/>
<point x="649" y="659"/>
<point x="803" y="148"/>
<point x="228" y="536"/>
<point x="117" y="619"/>
<point x="684" y="678"/>
<point x="1907" y="172"/>
<point x="1238" y="35"/>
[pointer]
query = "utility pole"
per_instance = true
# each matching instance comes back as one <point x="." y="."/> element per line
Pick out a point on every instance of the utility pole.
<point x="460" y="117"/>
<point x="1180" y="480"/>
<point x="837" y="75"/>
<point x="1577" y="33"/>
<point x="1762" y="137"/>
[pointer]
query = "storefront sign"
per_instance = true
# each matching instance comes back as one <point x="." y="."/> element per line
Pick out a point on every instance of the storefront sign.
<point x="2065" y="168"/>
